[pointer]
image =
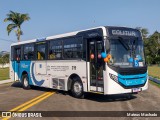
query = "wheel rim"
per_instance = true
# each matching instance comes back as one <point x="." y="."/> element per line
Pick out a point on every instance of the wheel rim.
<point x="25" y="82"/>
<point x="77" y="88"/>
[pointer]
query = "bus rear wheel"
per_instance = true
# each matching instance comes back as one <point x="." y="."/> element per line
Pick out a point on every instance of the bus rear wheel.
<point x="77" y="89"/>
<point x="25" y="82"/>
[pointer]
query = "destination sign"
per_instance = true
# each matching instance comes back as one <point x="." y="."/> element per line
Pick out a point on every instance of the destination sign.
<point x="124" y="32"/>
<point x="120" y="31"/>
<point x="40" y="39"/>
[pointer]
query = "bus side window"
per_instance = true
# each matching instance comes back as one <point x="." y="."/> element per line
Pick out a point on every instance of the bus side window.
<point x="17" y="54"/>
<point x="41" y="51"/>
<point x="40" y="55"/>
<point x="73" y="48"/>
<point x="51" y="55"/>
<point x="55" y="49"/>
<point x="28" y="53"/>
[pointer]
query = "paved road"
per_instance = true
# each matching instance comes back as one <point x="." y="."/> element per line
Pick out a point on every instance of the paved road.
<point x="12" y="95"/>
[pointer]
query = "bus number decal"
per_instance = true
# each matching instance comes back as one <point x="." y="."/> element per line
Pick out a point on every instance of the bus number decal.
<point x="73" y="67"/>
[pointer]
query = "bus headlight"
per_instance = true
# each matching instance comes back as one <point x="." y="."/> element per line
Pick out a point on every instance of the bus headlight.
<point x="113" y="77"/>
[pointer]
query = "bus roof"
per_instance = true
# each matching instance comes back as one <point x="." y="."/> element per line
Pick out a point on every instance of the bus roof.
<point x="68" y="34"/>
<point x="58" y="36"/>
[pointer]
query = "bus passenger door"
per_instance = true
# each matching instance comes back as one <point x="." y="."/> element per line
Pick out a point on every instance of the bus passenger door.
<point x="40" y="65"/>
<point x="16" y="66"/>
<point x="95" y="66"/>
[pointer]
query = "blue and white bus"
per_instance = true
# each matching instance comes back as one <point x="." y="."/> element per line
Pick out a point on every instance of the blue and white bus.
<point x="106" y="60"/>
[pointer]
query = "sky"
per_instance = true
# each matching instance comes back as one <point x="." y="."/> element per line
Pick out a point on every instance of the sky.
<point x="52" y="17"/>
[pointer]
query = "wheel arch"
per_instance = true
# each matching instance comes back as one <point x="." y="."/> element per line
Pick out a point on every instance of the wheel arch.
<point x="71" y="78"/>
<point x="23" y="73"/>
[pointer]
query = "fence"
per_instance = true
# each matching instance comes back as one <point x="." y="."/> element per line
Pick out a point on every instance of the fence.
<point x="154" y="79"/>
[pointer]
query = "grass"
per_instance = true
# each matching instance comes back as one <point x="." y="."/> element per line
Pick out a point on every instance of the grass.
<point x="4" y="73"/>
<point x="154" y="71"/>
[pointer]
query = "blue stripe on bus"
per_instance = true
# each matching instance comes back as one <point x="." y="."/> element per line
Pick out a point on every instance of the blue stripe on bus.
<point x="39" y="83"/>
<point x="131" y="80"/>
<point x="132" y="76"/>
<point x="26" y="66"/>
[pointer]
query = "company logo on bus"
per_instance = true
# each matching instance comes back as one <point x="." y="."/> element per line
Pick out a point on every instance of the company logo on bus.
<point x="40" y="39"/>
<point x="93" y="35"/>
<point x="24" y="66"/>
<point x="124" y="32"/>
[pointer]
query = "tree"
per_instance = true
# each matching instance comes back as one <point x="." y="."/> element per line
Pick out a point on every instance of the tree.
<point x="144" y="32"/>
<point x="152" y="48"/>
<point x="4" y="59"/>
<point x="16" y="20"/>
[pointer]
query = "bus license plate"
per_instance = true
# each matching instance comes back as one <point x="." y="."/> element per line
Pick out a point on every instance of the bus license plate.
<point x="136" y="89"/>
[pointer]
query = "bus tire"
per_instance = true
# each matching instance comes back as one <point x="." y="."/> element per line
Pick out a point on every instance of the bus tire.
<point x="25" y="82"/>
<point x="77" y="89"/>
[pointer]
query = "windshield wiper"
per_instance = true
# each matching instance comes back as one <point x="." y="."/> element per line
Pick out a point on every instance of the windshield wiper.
<point x="135" y="44"/>
<point x="126" y="46"/>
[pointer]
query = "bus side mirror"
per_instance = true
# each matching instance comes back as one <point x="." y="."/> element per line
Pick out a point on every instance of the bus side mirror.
<point x="107" y="45"/>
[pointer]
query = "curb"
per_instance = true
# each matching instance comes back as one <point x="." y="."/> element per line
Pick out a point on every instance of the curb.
<point x="154" y="79"/>
<point x="6" y="81"/>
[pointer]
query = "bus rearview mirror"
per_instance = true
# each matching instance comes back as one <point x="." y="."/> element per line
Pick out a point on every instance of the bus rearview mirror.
<point x="107" y="45"/>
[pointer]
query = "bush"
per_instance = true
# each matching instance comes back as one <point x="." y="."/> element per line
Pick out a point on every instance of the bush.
<point x="149" y="60"/>
<point x="157" y="60"/>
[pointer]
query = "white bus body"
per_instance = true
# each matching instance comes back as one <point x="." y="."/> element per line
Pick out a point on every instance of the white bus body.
<point x="57" y="62"/>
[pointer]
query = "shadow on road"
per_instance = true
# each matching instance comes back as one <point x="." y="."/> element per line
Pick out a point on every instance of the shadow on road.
<point x="88" y="96"/>
<point x="19" y="85"/>
<point x="110" y="98"/>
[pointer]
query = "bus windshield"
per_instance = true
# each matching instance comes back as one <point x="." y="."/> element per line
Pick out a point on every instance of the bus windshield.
<point x="125" y="52"/>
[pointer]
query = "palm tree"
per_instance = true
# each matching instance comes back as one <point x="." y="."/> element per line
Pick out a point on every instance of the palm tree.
<point x="144" y="32"/>
<point x="16" y="20"/>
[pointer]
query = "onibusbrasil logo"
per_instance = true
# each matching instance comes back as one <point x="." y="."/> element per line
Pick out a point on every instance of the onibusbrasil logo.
<point x="21" y="114"/>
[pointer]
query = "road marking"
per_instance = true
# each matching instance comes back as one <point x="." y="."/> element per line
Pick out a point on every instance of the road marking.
<point x="26" y="103"/>
<point x="22" y="105"/>
<point x="30" y="103"/>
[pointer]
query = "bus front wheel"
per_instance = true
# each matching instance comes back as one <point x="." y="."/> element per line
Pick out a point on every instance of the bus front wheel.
<point x="77" y="89"/>
<point x="25" y="82"/>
